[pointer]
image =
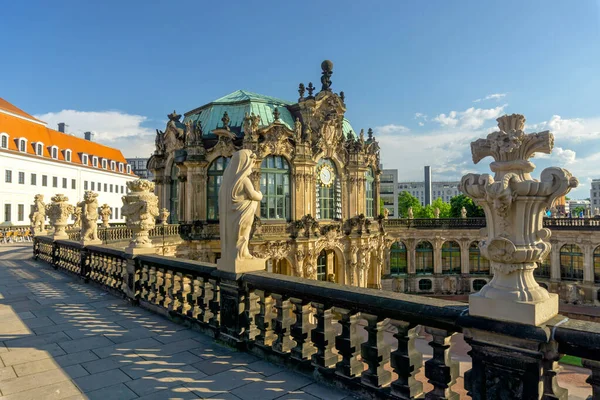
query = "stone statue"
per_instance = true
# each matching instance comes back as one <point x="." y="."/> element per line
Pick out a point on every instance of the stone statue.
<point x="159" y="141"/>
<point x="105" y="212"/>
<point x="237" y="205"/>
<point x="164" y="216"/>
<point x="140" y="209"/>
<point x="59" y="212"/>
<point x="386" y="213"/>
<point x="436" y="212"/>
<point x="463" y="212"/>
<point x="327" y="67"/>
<point x="89" y="218"/>
<point x="514" y="205"/>
<point x="298" y="130"/>
<point x="77" y="215"/>
<point x="410" y="213"/>
<point x="38" y="215"/>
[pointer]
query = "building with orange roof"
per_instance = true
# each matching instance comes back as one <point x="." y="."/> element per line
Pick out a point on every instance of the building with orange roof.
<point x="35" y="159"/>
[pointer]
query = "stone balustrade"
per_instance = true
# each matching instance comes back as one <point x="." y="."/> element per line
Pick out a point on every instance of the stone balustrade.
<point x="120" y="234"/>
<point x="317" y="326"/>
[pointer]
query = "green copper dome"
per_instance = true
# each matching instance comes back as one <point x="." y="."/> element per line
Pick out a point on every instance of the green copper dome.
<point x="237" y="104"/>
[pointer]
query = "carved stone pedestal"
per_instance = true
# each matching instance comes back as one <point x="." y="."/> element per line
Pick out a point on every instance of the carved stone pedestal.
<point x="241" y="266"/>
<point x="140" y="250"/>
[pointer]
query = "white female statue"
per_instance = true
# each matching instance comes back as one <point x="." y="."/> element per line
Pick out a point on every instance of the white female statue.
<point x="237" y="204"/>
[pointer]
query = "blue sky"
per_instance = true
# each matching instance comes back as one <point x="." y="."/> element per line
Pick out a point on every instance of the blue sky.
<point x="413" y="70"/>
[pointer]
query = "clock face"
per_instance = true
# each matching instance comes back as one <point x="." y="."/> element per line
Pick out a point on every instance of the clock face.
<point x="326" y="176"/>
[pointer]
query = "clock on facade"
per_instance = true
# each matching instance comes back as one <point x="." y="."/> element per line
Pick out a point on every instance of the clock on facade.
<point x="326" y="175"/>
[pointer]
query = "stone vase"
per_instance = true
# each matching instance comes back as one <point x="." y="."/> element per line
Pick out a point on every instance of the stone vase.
<point x="59" y="212"/>
<point x="140" y="209"/>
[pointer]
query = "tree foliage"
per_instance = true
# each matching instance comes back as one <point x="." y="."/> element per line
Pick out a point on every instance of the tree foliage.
<point x="460" y="201"/>
<point x="406" y="200"/>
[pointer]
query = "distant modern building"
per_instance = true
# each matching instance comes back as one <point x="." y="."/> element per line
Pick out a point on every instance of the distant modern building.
<point x="35" y="159"/>
<point x="573" y="204"/>
<point x="428" y="186"/>
<point x="388" y="191"/>
<point x="138" y="167"/>
<point x="443" y="190"/>
<point x="595" y="195"/>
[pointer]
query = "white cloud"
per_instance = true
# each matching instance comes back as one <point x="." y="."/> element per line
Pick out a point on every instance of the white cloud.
<point x="495" y="96"/>
<point x="391" y="129"/>
<point x="471" y="118"/>
<point x="421" y="123"/>
<point x="112" y="128"/>
<point x="559" y="156"/>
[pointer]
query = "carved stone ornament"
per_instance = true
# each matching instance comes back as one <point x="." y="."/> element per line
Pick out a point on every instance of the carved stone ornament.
<point x="140" y="209"/>
<point x="38" y="215"/>
<point x="164" y="216"/>
<point x="77" y="217"/>
<point x="514" y="205"/>
<point x="105" y="212"/>
<point x="410" y="213"/>
<point x="463" y="212"/>
<point x="89" y="218"/>
<point x="59" y="212"/>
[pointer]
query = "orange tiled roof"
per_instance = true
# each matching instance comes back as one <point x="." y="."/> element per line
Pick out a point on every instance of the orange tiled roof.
<point x="34" y="133"/>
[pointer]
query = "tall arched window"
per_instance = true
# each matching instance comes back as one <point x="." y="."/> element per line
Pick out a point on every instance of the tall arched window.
<point x="543" y="268"/>
<point x="215" y="176"/>
<point x="597" y="265"/>
<point x="329" y="196"/>
<point x="322" y="266"/>
<point x="275" y="187"/>
<point x="450" y="258"/>
<point x="174" y="194"/>
<point x="369" y="193"/>
<point x="478" y="265"/>
<point x="424" y="258"/>
<point x="571" y="262"/>
<point x="398" y="261"/>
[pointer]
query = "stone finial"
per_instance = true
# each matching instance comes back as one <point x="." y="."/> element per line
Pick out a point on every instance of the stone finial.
<point x="310" y="89"/>
<point x="59" y="212"/>
<point x="174" y="116"/>
<point x="301" y="90"/>
<point x="276" y="114"/>
<point x="164" y="216"/>
<point x="514" y="205"/>
<point x="38" y="216"/>
<point x="370" y="134"/>
<point x="342" y="97"/>
<point x="140" y="209"/>
<point x="89" y="218"/>
<point x="327" y="67"/>
<point x="105" y="213"/>
<point x="225" y="120"/>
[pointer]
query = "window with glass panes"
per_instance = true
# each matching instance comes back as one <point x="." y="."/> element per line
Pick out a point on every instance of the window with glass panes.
<point x="73" y="184"/>
<point x="543" y="268"/>
<point x="21" y="178"/>
<point x="174" y="194"/>
<point x="54" y="181"/>
<point x="571" y="262"/>
<point x="478" y="265"/>
<point x="369" y="193"/>
<point x="21" y="212"/>
<point x="275" y="188"/>
<point x="329" y="205"/>
<point x="398" y="259"/>
<point x="4" y="141"/>
<point x="322" y="266"/>
<point x="22" y="146"/>
<point x="215" y="176"/>
<point x="450" y="258"/>
<point x="424" y="258"/>
<point x="44" y="180"/>
<point x="8" y="176"/>
<point x="64" y="183"/>
<point x="33" y="179"/>
<point x="7" y="212"/>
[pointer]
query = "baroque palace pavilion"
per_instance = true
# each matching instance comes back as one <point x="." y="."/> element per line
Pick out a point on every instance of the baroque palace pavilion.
<point x="319" y="179"/>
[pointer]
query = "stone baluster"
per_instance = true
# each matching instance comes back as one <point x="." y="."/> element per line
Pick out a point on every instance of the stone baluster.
<point x="376" y="353"/>
<point x="159" y="287"/>
<point x="301" y="330"/>
<point x="151" y="285"/>
<point x="594" y="378"/>
<point x="283" y="323"/>
<point x="348" y="345"/>
<point x="441" y="370"/>
<point x="214" y="304"/>
<point x="323" y="337"/>
<point x="264" y="320"/>
<point x="551" y="368"/>
<point x="253" y="310"/>
<point x="205" y="297"/>
<point x="406" y="362"/>
<point x="194" y="298"/>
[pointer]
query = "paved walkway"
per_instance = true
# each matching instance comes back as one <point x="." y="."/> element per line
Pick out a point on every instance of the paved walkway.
<point x="62" y="339"/>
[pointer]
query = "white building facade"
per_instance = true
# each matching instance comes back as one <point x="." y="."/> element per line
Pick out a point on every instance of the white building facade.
<point x="35" y="159"/>
<point x="443" y="190"/>
<point x="388" y="191"/>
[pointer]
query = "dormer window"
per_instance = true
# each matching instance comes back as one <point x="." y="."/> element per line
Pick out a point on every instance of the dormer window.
<point x="68" y="155"/>
<point x="84" y="159"/>
<point x="4" y="141"/>
<point x="120" y="167"/>
<point x="22" y="145"/>
<point x="113" y="165"/>
<point x="39" y="149"/>
<point x="54" y="152"/>
<point x="104" y="164"/>
<point x="128" y="168"/>
<point x="95" y="161"/>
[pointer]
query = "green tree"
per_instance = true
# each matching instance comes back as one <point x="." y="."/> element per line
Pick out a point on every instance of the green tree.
<point x="406" y="200"/>
<point x="425" y="212"/>
<point x="381" y="207"/>
<point x="460" y="201"/>
<point x="444" y="207"/>
<point x="575" y="212"/>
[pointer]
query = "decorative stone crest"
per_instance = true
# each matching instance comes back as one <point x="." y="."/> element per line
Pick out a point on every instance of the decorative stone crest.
<point x="89" y="218"/>
<point x="140" y="209"/>
<point x="38" y="215"/>
<point x="514" y="205"/>
<point x="59" y="212"/>
<point x="105" y="212"/>
<point x="164" y="216"/>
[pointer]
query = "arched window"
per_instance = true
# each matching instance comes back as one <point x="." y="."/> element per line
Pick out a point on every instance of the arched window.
<point x="329" y="196"/>
<point x="398" y="263"/>
<point x="478" y="265"/>
<point x="4" y="143"/>
<point x="174" y="194"/>
<point x="215" y="176"/>
<point x="424" y="258"/>
<point x="571" y="262"/>
<point x="450" y="258"/>
<point x="597" y="265"/>
<point x="275" y="187"/>
<point x="369" y="193"/>
<point x="322" y="266"/>
<point x="543" y="268"/>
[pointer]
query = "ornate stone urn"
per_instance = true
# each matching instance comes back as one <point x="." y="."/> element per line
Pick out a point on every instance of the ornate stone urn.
<point x="105" y="212"/>
<point x="140" y="208"/>
<point x="164" y="216"/>
<point x="514" y="205"/>
<point x="59" y="212"/>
